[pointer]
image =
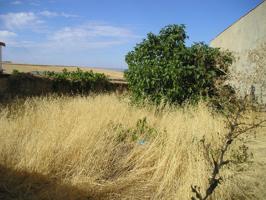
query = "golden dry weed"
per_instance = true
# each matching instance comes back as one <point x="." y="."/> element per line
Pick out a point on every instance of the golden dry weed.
<point x="69" y="148"/>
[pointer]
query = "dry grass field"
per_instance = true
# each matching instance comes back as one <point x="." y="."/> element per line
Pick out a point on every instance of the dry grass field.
<point x="8" y="68"/>
<point x="91" y="148"/>
<point x="256" y="172"/>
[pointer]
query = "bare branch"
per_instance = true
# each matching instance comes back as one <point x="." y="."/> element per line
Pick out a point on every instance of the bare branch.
<point x="235" y="129"/>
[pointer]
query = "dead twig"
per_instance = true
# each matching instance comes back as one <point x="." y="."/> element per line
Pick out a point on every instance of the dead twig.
<point x="235" y="129"/>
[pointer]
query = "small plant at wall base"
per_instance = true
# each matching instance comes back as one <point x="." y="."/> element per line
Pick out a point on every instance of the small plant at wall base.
<point x="163" y="69"/>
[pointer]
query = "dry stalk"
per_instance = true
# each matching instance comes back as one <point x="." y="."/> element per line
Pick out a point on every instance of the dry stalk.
<point x="236" y="128"/>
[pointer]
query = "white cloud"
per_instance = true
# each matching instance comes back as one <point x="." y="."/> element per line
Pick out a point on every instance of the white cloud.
<point x="91" y="31"/>
<point x="84" y="41"/>
<point x="12" y="39"/>
<point x="16" y="2"/>
<point x="20" y="20"/>
<point x="47" y="13"/>
<point x="35" y="3"/>
<point x="108" y="30"/>
<point x="68" y="15"/>
<point x="89" y="36"/>
<point x="7" y="36"/>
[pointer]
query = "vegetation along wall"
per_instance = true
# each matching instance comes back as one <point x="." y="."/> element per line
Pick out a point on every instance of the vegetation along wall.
<point x="27" y="85"/>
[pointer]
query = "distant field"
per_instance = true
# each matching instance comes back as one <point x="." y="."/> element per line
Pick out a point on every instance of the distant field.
<point x="8" y="68"/>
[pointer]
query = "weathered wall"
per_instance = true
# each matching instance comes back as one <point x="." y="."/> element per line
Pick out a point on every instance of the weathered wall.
<point x="12" y="86"/>
<point x="27" y="85"/>
<point x="243" y="37"/>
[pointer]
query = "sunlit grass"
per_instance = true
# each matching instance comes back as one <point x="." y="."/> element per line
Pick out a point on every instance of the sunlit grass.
<point x="74" y="141"/>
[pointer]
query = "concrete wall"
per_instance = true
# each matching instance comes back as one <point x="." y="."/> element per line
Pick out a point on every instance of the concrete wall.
<point x="244" y="36"/>
<point x="12" y="86"/>
<point x="28" y="85"/>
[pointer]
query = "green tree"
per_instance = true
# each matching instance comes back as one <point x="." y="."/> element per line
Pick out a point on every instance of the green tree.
<point x="163" y="69"/>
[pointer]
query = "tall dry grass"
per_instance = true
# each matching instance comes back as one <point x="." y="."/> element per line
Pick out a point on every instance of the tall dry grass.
<point x="68" y="148"/>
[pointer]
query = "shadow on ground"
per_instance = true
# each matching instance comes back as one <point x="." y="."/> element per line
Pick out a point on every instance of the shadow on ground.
<point x="32" y="186"/>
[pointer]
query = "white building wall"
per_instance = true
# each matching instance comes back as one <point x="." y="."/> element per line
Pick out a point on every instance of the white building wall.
<point x="242" y="37"/>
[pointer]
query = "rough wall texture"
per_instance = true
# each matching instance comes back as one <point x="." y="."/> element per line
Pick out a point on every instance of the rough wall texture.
<point x="243" y="38"/>
<point x="27" y="85"/>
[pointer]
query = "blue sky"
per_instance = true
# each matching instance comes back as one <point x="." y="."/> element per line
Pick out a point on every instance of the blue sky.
<point x="99" y="33"/>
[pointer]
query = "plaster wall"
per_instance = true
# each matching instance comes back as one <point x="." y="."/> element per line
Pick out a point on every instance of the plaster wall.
<point x="243" y="37"/>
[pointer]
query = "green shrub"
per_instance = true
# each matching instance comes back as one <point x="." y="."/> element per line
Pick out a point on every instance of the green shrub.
<point x="142" y="132"/>
<point x="15" y="72"/>
<point x="78" y="81"/>
<point x="163" y="69"/>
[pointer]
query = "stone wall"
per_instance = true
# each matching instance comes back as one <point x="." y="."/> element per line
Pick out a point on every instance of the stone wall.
<point x="28" y="85"/>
